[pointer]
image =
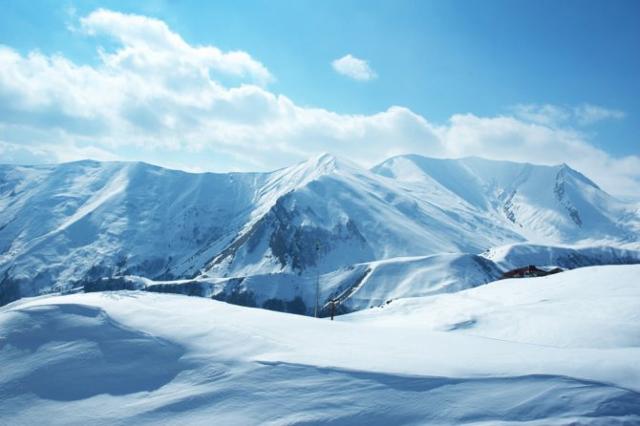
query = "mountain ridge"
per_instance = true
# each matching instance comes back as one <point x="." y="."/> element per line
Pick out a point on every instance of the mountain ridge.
<point x="63" y="225"/>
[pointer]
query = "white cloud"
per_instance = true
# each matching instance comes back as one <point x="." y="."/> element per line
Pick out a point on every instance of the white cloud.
<point x="18" y="154"/>
<point x="12" y="153"/>
<point x="149" y="44"/>
<point x="549" y="115"/>
<point x="555" y="115"/>
<point x="355" y="68"/>
<point x="157" y="98"/>
<point x="589" y="114"/>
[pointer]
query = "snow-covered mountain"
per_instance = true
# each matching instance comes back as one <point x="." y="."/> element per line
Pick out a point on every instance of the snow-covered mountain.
<point x="70" y="225"/>
<point x="546" y="204"/>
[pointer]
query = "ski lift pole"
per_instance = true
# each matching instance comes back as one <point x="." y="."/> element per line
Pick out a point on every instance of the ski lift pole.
<point x="315" y="314"/>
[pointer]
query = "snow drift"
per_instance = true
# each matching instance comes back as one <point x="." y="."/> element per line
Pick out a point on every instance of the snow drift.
<point x="555" y="350"/>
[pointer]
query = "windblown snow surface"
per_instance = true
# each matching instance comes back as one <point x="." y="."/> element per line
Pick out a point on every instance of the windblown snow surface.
<point x="562" y="349"/>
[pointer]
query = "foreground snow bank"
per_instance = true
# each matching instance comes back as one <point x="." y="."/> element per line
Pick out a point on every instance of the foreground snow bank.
<point x="143" y="358"/>
<point x="594" y="307"/>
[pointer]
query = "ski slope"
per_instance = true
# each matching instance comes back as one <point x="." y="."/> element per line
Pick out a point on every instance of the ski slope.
<point x="555" y="350"/>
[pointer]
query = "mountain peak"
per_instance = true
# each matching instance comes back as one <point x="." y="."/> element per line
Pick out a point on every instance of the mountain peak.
<point x="328" y="163"/>
<point x="325" y="157"/>
<point x="567" y="170"/>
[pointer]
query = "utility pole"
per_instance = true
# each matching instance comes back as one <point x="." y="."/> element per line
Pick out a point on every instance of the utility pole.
<point x="315" y="314"/>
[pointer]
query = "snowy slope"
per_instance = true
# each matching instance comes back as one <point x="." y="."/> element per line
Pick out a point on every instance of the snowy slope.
<point x="67" y="226"/>
<point x="552" y="204"/>
<point x="341" y="215"/>
<point x="523" y="254"/>
<point x="533" y="353"/>
<point x="64" y="224"/>
<point x="375" y="283"/>
<point x="592" y="307"/>
<point x="355" y="287"/>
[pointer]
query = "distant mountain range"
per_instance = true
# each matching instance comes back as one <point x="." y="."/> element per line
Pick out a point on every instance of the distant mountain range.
<point x="95" y="224"/>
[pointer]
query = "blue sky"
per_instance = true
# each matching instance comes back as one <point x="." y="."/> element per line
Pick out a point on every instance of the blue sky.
<point x="468" y="78"/>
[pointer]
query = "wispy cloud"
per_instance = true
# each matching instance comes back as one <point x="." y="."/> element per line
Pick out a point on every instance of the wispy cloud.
<point x="589" y="114"/>
<point x="555" y="115"/>
<point x="353" y="67"/>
